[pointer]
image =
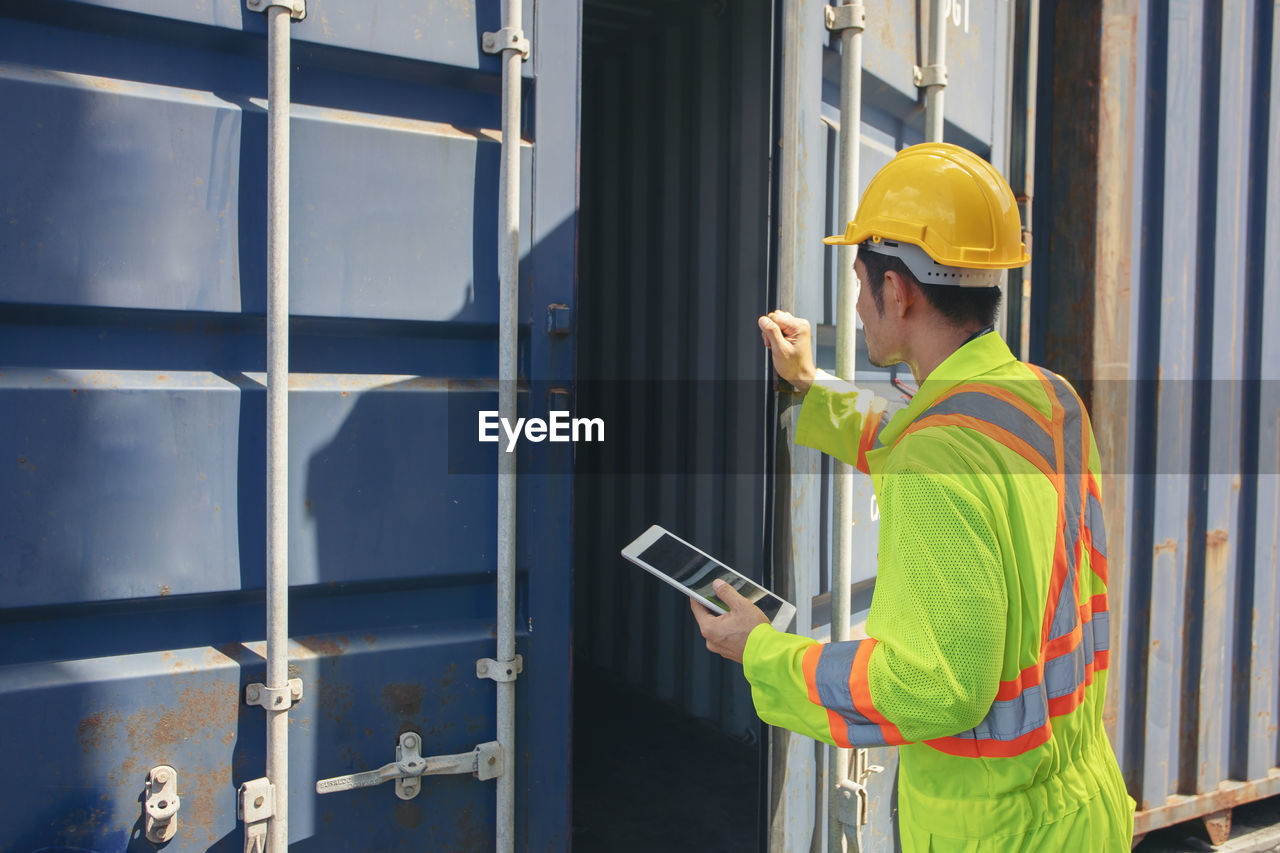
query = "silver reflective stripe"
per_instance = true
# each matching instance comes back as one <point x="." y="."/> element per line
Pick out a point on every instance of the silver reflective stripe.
<point x="1097" y="528"/>
<point x="1101" y="624"/>
<point x="1065" y="614"/>
<point x="835" y="664"/>
<point x="1010" y="719"/>
<point x="832" y="676"/>
<point x="993" y="410"/>
<point x="1065" y="673"/>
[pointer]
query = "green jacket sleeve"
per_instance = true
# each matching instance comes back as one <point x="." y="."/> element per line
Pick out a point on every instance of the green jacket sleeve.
<point x="931" y="667"/>
<point x="840" y="420"/>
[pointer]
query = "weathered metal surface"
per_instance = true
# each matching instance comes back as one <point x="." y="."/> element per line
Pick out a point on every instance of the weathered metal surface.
<point x="131" y="359"/>
<point x="1184" y="398"/>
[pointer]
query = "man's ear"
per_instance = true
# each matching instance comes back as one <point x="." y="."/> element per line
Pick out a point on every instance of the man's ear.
<point x="899" y="292"/>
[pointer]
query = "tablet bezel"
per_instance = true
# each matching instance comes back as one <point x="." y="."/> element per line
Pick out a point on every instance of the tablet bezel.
<point x="781" y="620"/>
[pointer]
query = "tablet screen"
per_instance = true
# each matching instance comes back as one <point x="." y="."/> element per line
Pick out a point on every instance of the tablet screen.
<point x="696" y="571"/>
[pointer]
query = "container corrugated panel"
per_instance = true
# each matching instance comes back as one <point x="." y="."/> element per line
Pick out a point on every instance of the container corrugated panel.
<point x="674" y="271"/>
<point x="1197" y="706"/>
<point x="132" y="351"/>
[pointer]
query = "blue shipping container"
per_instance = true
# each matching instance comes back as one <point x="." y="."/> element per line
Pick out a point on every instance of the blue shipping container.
<point x="132" y="299"/>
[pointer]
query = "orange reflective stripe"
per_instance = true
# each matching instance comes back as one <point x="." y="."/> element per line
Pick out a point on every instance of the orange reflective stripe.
<point x="1029" y="677"/>
<point x="860" y="690"/>
<point x="1058" y="578"/>
<point x="870" y="431"/>
<point x="986" y="747"/>
<point x="809" y="664"/>
<point x="1003" y="436"/>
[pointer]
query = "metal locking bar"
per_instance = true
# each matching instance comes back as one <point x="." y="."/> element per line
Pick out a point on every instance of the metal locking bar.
<point x="161" y="803"/>
<point x="484" y="762"/>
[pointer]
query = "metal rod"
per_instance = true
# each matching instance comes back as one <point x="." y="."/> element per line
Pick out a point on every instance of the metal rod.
<point x="508" y="274"/>
<point x="846" y="347"/>
<point x="278" y="21"/>
<point x="1022" y="163"/>
<point x="933" y="95"/>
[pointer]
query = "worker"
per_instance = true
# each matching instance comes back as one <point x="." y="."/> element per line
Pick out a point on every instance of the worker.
<point x="985" y="660"/>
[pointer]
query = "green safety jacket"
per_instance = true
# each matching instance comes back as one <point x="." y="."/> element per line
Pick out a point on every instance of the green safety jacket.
<point x="989" y="633"/>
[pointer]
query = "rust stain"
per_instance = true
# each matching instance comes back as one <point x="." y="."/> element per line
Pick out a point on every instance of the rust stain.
<point x="96" y="729"/>
<point x="369" y="639"/>
<point x="1168" y="546"/>
<point x="336" y="701"/>
<point x="164" y="590"/>
<point x="201" y="712"/>
<point x="403" y="698"/>
<point x="326" y="646"/>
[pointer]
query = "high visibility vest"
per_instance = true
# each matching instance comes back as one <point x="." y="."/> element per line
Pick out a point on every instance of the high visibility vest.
<point x="989" y="629"/>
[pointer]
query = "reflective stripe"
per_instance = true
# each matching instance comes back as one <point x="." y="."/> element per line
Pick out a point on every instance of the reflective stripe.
<point x="985" y="407"/>
<point x="1012" y="718"/>
<point x="872" y="425"/>
<point x="1075" y="640"/>
<point x="833" y="672"/>
<point x="832" y="679"/>
<point x="1065" y="616"/>
<point x="1013" y="726"/>
<point x="1093" y="520"/>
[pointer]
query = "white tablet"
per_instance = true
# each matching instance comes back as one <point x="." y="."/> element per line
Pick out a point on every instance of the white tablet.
<point x="692" y="571"/>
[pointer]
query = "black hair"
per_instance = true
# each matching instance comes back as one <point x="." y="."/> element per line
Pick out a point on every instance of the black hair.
<point x="963" y="307"/>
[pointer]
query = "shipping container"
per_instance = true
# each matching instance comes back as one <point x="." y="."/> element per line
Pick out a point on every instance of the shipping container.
<point x="700" y="144"/>
<point x="132" y="319"/>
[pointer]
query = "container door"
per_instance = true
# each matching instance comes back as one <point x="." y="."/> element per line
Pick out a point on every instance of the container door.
<point x="977" y="97"/>
<point x="132" y="351"/>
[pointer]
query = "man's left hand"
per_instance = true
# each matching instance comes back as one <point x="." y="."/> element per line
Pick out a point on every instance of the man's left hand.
<point x="726" y="633"/>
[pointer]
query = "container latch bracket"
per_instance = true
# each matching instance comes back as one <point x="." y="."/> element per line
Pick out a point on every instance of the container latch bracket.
<point x="507" y="38"/>
<point x="297" y="8"/>
<point x="499" y="671"/>
<point x="484" y="762"/>
<point x="161" y="803"/>
<point x="846" y="16"/>
<point x="274" y="698"/>
<point x="851" y="800"/>
<point x="256" y="805"/>
<point x="929" y="76"/>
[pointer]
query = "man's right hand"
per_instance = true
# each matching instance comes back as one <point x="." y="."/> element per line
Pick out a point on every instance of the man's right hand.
<point x="787" y="338"/>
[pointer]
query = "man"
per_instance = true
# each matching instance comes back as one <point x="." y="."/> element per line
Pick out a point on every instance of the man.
<point x="988" y="632"/>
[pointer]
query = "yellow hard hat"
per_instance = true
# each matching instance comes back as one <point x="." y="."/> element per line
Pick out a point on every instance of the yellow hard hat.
<point x="948" y="201"/>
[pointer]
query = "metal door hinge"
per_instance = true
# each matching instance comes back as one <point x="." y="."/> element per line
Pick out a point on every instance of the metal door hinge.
<point x="507" y="38"/>
<point x="297" y="8"/>
<point x="490" y="668"/>
<point x="484" y="762"/>
<point x="927" y="76"/>
<point x="161" y="803"/>
<point x="256" y="805"/>
<point x="846" y="16"/>
<point x="274" y="698"/>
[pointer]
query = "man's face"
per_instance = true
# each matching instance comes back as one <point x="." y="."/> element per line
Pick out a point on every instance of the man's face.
<point x="874" y="326"/>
